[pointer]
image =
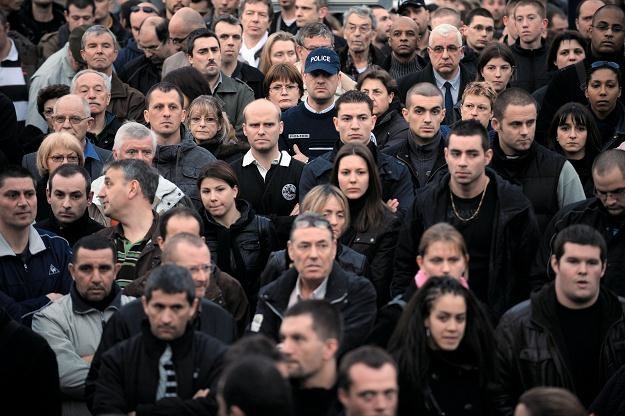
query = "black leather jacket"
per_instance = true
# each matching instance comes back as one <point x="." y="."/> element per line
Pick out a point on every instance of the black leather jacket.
<point x="528" y="353"/>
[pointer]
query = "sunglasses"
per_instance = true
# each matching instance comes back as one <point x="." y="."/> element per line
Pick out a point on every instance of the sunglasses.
<point x="603" y="64"/>
<point x="144" y="9"/>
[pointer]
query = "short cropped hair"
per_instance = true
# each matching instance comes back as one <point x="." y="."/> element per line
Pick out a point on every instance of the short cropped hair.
<point x="170" y="279"/>
<point x="137" y="170"/>
<point x="368" y="355"/>
<point x="425" y="89"/>
<point x="540" y="7"/>
<point x="15" y="171"/>
<point x="353" y="97"/>
<point x="512" y="96"/>
<point x="581" y="234"/>
<point x="479" y="11"/>
<point x="313" y="30"/>
<point x="552" y="401"/>
<point x="67" y="171"/>
<point x="326" y="319"/>
<point x="97" y="30"/>
<point x="93" y="242"/>
<point x="471" y="127"/>
<point x="608" y="160"/>
<point x="170" y="251"/>
<point x="182" y="212"/>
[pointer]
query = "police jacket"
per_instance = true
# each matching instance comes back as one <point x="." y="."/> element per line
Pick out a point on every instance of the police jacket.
<point x="528" y="352"/>
<point x="391" y="128"/>
<point x="279" y="261"/>
<point x="353" y="295"/>
<point x="182" y="164"/>
<point x="243" y="249"/>
<point x="590" y="212"/>
<point x="537" y="172"/>
<point x="513" y="241"/>
<point x="25" y="284"/>
<point x="129" y="375"/>
<point x="393" y="174"/>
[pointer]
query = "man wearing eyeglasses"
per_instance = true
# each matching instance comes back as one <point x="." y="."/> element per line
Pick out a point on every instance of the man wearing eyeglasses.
<point x="444" y="70"/>
<point x="145" y="71"/>
<point x="359" y="31"/>
<point x="137" y="16"/>
<point x="185" y="21"/>
<point x="69" y="195"/>
<point x="607" y="35"/>
<point x="478" y="31"/>
<point x="605" y="212"/>
<point x="72" y="115"/>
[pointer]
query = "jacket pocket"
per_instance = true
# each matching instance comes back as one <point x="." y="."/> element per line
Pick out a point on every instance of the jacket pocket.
<point x="537" y="366"/>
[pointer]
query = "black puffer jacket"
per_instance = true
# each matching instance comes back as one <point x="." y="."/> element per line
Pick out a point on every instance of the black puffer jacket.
<point x="531" y="67"/>
<point x="391" y="128"/>
<point x="514" y="239"/>
<point x="350" y="260"/>
<point x="528" y="354"/>
<point x="353" y="295"/>
<point x="243" y="249"/>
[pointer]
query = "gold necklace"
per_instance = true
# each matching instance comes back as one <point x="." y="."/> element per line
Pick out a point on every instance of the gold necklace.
<point x="477" y="211"/>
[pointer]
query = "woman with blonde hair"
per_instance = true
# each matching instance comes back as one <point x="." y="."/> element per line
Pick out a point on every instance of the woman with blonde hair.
<point x="55" y="150"/>
<point x="279" y="49"/>
<point x="212" y="130"/>
<point x="329" y="201"/>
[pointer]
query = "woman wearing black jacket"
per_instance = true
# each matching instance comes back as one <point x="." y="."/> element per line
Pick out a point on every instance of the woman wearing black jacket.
<point x="239" y="240"/>
<point x="443" y="346"/>
<point x="330" y="202"/>
<point x="374" y="228"/>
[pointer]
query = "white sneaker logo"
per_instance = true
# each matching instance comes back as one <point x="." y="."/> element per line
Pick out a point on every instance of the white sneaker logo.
<point x="53" y="270"/>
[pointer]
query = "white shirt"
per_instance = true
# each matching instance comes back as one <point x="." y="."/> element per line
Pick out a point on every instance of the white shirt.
<point x="284" y="159"/>
<point x="319" y="293"/>
<point x="455" y="85"/>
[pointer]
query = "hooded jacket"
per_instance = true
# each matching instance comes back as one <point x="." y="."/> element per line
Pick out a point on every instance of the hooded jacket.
<point x="514" y="239"/>
<point x="529" y="350"/>
<point x="353" y="295"/>
<point x="182" y="164"/>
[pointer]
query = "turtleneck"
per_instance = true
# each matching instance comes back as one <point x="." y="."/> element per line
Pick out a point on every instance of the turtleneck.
<point x="423" y="157"/>
<point x="99" y="305"/>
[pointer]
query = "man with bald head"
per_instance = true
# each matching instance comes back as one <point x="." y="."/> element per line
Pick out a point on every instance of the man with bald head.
<point x="607" y="35"/>
<point x="138" y="14"/>
<point x="185" y="21"/>
<point x="268" y="178"/>
<point x="586" y="9"/>
<point x="143" y="72"/>
<point x="404" y="58"/>
<point x="73" y="115"/>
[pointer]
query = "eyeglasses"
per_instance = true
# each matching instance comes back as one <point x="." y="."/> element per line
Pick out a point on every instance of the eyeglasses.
<point x="207" y="120"/>
<point x="277" y="88"/>
<point x="440" y="49"/>
<point x="480" y="108"/>
<point x="603" y="27"/>
<point x="603" y="195"/>
<point x="72" y="119"/>
<point x="603" y="64"/>
<point x="361" y="29"/>
<point x="144" y="9"/>
<point x="61" y="158"/>
<point x="178" y="41"/>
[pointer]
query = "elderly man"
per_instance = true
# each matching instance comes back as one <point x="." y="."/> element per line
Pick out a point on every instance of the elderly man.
<point x="444" y="70"/>
<point x="95" y="87"/>
<point x="72" y="115"/>
<point x="126" y="197"/>
<point x="315" y="275"/>
<point x="185" y="21"/>
<point x="137" y="16"/>
<point x="73" y="325"/>
<point x="135" y="141"/>
<point x="99" y="49"/>
<point x="204" y="54"/>
<point x="359" y="31"/>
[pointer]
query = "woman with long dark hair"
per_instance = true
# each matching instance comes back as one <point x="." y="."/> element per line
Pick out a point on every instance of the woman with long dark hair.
<point x="574" y="134"/>
<point x="443" y="346"/>
<point x="374" y="228"/>
<point x="239" y="240"/>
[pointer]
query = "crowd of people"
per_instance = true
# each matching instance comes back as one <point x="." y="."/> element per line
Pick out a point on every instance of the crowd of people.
<point x="236" y="207"/>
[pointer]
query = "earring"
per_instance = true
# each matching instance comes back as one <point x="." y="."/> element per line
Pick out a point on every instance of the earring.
<point x="427" y="332"/>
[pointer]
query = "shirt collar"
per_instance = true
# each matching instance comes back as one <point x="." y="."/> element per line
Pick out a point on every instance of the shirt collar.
<point x="217" y="84"/>
<point x="319" y="293"/>
<point x="440" y="81"/>
<point x="312" y="110"/>
<point x="35" y="243"/>
<point x="256" y="47"/>
<point x="13" y="53"/>
<point x="90" y="150"/>
<point x="284" y="159"/>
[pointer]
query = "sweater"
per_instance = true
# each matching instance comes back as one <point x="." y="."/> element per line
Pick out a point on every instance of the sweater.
<point x="313" y="133"/>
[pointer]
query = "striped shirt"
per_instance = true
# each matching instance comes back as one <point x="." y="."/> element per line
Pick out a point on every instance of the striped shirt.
<point x="167" y="386"/>
<point x="13" y="82"/>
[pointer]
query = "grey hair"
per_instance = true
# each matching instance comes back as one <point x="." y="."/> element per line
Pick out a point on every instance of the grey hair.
<point x="444" y="30"/>
<point x="107" y="80"/>
<point x="86" y="110"/>
<point x="137" y="170"/>
<point x="98" y="30"/>
<point x="311" y="220"/>
<point x="313" y="30"/>
<point x="133" y="130"/>
<point x="170" y="279"/>
<point x="361" y="11"/>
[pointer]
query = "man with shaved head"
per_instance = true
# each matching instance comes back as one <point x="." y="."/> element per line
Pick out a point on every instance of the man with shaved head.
<point x="268" y="178"/>
<point x="185" y="21"/>
<point x="137" y="16"/>
<point x="404" y="58"/>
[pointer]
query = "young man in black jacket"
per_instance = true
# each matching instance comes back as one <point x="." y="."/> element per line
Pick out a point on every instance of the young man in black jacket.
<point x="169" y="368"/>
<point x="494" y="217"/>
<point x="570" y="334"/>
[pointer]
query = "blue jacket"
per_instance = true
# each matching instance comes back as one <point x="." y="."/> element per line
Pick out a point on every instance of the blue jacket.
<point x="24" y="286"/>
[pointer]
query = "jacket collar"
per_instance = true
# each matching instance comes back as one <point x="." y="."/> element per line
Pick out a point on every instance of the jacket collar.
<point x="35" y="243"/>
<point x="81" y="307"/>
<point x="155" y="346"/>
